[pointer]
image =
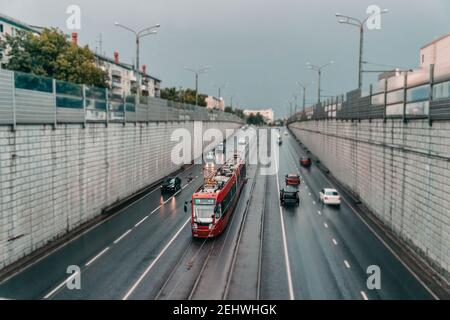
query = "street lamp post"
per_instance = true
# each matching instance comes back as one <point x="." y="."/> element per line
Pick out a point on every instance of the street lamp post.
<point x="304" y="87"/>
<point x="360" y="25"/>
<point x="197" y="73"/>
<point x="139" y="34"/>
<point x="319" y="72"/>
<point x="296" y="102"/>
<point x="220" y="89"/>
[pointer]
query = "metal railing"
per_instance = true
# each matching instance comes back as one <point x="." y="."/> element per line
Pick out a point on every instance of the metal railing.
<point x="31" y="99"/>
<point x="424" y="94"/>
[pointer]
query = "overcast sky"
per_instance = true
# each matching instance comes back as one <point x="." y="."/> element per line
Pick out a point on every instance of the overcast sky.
<point x="259" y="47"/>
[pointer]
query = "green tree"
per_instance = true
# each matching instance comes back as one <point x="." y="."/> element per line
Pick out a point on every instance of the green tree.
<point x="50" y="54"/>
<point x="186" y="96"/>
<point x="2" y="48"/>
<point x="256" y="119"/>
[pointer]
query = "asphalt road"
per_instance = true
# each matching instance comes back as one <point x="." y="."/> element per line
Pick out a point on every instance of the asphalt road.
<point x="331" y="249"/>
<point x="268" y="252"/>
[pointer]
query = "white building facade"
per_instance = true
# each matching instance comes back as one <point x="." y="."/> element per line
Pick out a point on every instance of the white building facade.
<point x="214" y="103"/>
<point x="267" y="114"/>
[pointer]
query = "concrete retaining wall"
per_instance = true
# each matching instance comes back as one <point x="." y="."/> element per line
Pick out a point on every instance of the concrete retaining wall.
<point x="401" y="172"/>
<point x="54" y="180"/>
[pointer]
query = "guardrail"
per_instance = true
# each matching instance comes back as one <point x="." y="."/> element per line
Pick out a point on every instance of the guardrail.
<point x="31" y="99"/>
<point x="424" y="94"/>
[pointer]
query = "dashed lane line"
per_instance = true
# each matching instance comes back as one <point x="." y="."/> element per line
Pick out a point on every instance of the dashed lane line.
<point x="122" y="236"/>
<point x="96" y="257"/>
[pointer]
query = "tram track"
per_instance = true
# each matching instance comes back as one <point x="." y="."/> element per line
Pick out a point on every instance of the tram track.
<point x="202" y="271"/>
<point x="238" y="243"/>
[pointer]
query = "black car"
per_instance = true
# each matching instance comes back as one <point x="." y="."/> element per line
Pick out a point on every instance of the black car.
<point x="172" y="184"/>
<point x="289" y="196"/>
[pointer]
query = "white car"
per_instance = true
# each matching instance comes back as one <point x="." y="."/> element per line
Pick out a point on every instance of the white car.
<point x="210" y="159"/>
<point x="220" y="147"/>
<point x="286" y="133"/>
<point x="330" y="197"/>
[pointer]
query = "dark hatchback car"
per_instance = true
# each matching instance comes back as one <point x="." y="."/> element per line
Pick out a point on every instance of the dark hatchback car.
<point x="305" y="162"/>
<point x="170" y="185"/>
<point x="289" y="197"/>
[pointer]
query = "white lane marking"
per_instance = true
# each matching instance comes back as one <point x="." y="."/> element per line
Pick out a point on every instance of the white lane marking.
<point x="383" y="242"/>
<point x="59" y="247"/>
<point x="185" y="186"/>
<point x="364" y="295"/>
<point x="310" y="194"/>
<point x="122" y="236"/>
<point x="96" y="257"/>
<point x="320" y="213"/>
<point x="347" y="264"/>
<point x="335" y="242"/>
<point x="141" y="222"/>
<point x="150" y="267"/>
<point x="59" y="287"/>
<point x="155" y="210"/>
<point x="326" y="225"/>
<point x="314" y="202"/>
<point x="283" y="231"/>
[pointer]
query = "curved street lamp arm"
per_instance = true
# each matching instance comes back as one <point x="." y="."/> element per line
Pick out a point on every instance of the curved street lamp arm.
<point x="146" y="31"/>
<point x="354" y="20"/>
<point x="126" y="28"/>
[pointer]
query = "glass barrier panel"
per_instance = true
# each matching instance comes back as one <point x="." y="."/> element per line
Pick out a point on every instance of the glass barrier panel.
<point x="96" y="93"/>
<point x="95" y="104"/>
<point x="115" y="97"/>
<point x="68" y="88"/>
<point x="441" y="91"/>
<point x="116" y="107"/>
<point x="130" y="99"/>
<point x="32" y="82"/>
<point x="395" y="97"/>
<point x="378" y="100"/>
<point x="418" y="93"/>
<point x="394" y="110"/>
<point x="130" y="107"/>
<point x="143" y="100"/>
<point x="68" y="102"/>
<point x="418" y="108"/>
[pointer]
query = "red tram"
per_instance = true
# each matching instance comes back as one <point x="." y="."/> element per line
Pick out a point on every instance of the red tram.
<point x="214" y="203"/>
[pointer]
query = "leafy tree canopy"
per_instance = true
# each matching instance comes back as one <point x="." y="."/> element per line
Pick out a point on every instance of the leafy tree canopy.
<point x="184" y="96"/>
<point x="256" y="119"/>
<point x="2" y="48"/>
<point x="50" y="54"/>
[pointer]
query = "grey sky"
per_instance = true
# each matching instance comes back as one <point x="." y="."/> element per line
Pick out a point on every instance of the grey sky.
<point x="260" y="47"/>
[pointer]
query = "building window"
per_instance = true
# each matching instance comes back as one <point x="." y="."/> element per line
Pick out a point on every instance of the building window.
<point x="423" y="59"/>
<point x="1" y="28"/>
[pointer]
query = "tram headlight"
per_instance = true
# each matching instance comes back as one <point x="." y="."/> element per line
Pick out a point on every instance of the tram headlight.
<point x="195" y="226"/>
<point x="211" y="226"/>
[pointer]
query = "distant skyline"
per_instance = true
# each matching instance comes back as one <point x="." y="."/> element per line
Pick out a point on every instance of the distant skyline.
<point x="260" y="48"/>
